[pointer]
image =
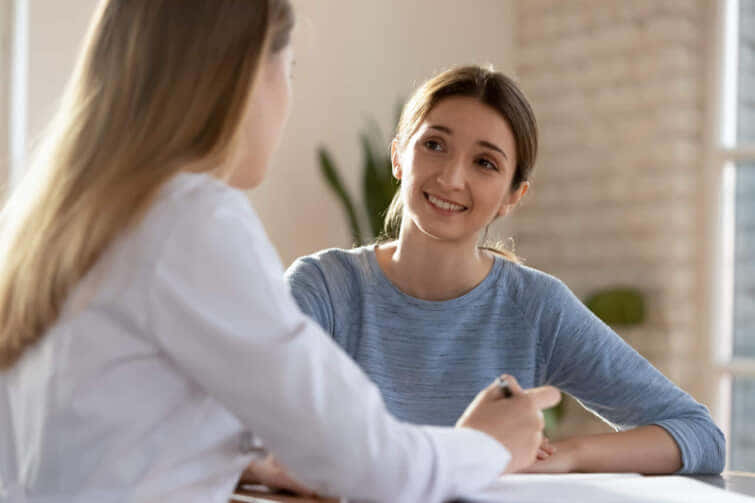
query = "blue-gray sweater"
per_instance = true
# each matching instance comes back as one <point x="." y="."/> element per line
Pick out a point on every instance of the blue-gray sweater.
<point x="431" y="358"/>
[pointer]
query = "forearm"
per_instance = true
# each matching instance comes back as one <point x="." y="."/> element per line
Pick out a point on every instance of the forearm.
<point x="647" y="449"/>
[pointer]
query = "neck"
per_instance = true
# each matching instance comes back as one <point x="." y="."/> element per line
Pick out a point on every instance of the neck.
<point x="432" y="269"/>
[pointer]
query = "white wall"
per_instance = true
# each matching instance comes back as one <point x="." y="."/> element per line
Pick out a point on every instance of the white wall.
<point x="56" y="30"/>
<point x="355" y="58"/>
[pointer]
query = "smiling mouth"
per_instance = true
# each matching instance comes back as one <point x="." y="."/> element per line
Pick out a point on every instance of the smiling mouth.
<point x="444" y="205"/>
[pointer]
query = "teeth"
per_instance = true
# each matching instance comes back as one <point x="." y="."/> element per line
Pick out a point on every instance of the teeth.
<point x="444" y="205"/>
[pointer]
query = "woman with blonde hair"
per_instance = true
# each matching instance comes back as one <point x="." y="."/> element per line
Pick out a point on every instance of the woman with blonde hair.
<point x="431" y="311"/>
<point x="147" y="340"/>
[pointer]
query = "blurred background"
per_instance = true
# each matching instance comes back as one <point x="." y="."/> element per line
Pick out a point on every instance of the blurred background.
<point x="646" y="174"/>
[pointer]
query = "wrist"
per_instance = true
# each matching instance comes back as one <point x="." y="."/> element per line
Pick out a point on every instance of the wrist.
<point x="574" y="449"/>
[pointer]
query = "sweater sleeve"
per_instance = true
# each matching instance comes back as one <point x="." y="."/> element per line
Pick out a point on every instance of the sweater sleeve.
<point x="588" y="360"/>
<point x="219" y="308"/>
<point x="307" y="283"/>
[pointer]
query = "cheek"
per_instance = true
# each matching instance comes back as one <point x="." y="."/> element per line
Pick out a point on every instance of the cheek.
<point x="412" y="184"/>
<point x="270" y="114"/>
<point x="417" y="169"/>
<point x="494" y="196"/>
<point x="278" y="109"/>
<point x="252" y="153"/>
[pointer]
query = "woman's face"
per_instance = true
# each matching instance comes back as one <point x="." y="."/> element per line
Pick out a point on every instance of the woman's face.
<point x="265" y="116"/>
<point x="456" y="170"/>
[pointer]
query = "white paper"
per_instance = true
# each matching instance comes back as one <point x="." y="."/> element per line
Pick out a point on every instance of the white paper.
<point x="604" y="488"/>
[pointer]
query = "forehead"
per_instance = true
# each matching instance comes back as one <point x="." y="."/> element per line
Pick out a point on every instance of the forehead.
<point x="470" y="119"/>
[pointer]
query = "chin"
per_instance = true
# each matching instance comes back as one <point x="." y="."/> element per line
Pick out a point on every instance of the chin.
<point x="444" y="234"/>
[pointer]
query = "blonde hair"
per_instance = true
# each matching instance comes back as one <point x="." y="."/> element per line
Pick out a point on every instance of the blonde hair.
<point x="491" y="88"/>
<point x="159" y="84"/>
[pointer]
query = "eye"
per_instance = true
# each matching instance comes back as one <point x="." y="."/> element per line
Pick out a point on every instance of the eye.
<point x="486" y="164"/>
<point x="433" y="145"/>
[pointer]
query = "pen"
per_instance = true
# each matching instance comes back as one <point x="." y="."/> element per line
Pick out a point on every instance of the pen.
<point x="503" y="385"/>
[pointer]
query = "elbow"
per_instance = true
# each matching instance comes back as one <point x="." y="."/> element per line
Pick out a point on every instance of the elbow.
<point x="702" y="445"/>
<point x="713" y="456"/>
<point x="714" y="459"/>
<point x="719" y="460"/>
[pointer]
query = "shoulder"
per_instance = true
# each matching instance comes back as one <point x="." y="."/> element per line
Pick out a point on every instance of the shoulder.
<point x="196" y="198"/>
<point x="334" y="265"/>
<point x="529" y="286"/>
<point x="551" y="306"/>
<point x="197" y="204"/>
<point x="326" y="284"/>
<point x="197" y="217"/>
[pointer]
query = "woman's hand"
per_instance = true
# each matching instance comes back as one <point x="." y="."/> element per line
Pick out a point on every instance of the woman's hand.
<point x="546" y="449"/>
<point x="272" y="474"/>
<point x="646" y="449"/>
<point x="562" y="459"/>
<point x="516" y="422"/>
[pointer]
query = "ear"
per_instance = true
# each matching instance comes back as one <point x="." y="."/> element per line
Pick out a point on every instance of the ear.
<point x="510" y="202"/>
<point x="395" y="160"/>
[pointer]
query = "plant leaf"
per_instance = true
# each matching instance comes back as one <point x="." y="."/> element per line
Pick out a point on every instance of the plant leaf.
<point x="333" y="179"/>
<point x="372" y="186"/>
<point x="618" y="306"/>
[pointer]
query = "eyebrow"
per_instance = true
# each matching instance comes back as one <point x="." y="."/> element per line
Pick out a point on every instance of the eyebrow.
<point x="483" y="143"/>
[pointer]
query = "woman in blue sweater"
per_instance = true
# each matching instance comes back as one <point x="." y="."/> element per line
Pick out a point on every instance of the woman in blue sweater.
<point x="432" y="316"/>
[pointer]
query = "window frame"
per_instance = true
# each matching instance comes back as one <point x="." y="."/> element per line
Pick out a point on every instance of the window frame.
<point x="723" y="153"/>
<point x="6" y="25"/>
<point x="14" y="63"/>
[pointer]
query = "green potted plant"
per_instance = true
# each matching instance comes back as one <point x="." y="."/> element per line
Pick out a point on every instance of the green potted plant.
<point x="378" y="184"/>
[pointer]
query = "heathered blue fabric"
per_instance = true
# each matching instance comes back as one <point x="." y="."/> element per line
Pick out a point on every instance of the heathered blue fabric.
<point x="431" y="358"/>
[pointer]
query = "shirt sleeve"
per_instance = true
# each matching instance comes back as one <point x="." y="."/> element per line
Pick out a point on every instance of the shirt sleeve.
<point x="220" y="310"/>
<point x="588" y="360"/>
<point x="308" y="286"/>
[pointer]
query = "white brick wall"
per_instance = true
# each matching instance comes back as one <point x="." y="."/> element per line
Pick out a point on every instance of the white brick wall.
<point x="618" y="89"/>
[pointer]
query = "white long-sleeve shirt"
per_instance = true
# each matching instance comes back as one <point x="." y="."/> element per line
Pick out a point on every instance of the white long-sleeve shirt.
<point x="183" y="337"/>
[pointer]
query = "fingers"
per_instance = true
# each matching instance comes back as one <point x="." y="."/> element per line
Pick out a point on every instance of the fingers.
<point x="513" y="384"/>
<point x="547" y="446"/>
<point x="546" y="449"/>
<point x="272" y="474"/>
<point x="494" y="391"/>
<point x="491" y="392"/>
<point x="249" y="476"/>
<point x="545" y="397"/>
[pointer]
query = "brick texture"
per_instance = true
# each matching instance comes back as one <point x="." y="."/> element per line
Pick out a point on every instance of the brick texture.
<point x="618" y="88"/>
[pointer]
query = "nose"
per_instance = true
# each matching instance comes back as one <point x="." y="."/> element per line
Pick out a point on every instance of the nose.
<point x="451" y="176"/>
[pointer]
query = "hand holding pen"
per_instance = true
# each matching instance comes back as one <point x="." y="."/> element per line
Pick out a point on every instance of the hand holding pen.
<point x="512" y="416"/>
<point x="545" y="449"/>
<point x="503" y="385"/>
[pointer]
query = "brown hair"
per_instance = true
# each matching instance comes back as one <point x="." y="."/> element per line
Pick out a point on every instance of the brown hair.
<point x="491" y="88"/>
<point x="159" y="84"/>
